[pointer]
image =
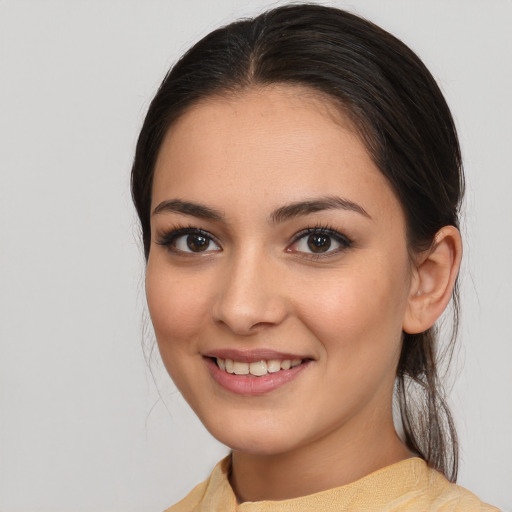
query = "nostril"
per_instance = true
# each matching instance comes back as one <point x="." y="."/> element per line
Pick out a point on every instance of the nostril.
<point x="242" y="324"/>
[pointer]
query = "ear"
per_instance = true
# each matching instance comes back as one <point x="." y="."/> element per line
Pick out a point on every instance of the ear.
<point x="433" y="280"/>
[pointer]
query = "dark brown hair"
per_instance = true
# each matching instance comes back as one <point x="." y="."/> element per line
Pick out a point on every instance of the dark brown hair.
<point x="400" y="115"/>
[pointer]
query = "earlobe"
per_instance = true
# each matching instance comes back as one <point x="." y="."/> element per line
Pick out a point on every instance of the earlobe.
<point x="433" y="281"/>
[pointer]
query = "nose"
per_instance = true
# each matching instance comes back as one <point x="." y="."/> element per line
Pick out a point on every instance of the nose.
<point x="250" y="296"/>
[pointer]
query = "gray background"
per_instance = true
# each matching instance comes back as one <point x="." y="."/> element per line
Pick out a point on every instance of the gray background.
<point x="82" y="425"/>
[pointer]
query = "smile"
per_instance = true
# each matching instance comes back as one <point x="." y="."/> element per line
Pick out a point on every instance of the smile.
<point x="256" y="368"/>
<point x="254" y="372"/>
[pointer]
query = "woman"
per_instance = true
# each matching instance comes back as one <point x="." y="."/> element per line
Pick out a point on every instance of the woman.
<point x="298" y="179"/>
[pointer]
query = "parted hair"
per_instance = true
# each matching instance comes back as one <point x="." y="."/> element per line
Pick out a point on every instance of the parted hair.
<point x="403" y="120"/>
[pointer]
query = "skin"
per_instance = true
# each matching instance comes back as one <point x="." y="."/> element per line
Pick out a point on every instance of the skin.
<point x="257" y="287"/>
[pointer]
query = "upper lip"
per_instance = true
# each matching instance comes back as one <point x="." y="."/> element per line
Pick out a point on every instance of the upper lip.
<point x="252" y="355"/>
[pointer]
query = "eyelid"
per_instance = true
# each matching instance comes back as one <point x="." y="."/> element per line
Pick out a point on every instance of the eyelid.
<point x="168" y="238"/>
<point x="340" y="238"/>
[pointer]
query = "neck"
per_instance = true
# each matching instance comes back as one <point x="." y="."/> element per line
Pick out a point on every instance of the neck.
<point x="336" y="459"/>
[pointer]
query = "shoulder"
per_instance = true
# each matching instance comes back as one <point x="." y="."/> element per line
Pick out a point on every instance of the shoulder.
<point x="192" y="500"/>
<point x="449" y="497"/>
<point x="412" y="486"/>
<point x="213" y="494"/>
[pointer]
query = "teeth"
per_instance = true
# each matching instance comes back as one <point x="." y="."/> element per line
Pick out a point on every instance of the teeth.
<point x="259" y="368"/>
<point x="273" y="366"/>
<point x="240" y="368"/>
<point x="256" y="368"/>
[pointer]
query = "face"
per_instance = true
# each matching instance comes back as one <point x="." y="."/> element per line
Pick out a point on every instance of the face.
<point x="278" y="274"/>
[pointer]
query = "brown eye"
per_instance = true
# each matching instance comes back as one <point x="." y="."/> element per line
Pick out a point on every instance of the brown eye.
<point x="189" y="241"/>
<point x="319" y="243"/>
<point x="197" y="243"/>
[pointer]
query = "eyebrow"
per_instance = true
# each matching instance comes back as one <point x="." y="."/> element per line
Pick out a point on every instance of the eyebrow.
<point x="282" y="214"/>
<point x="188" y="208"/>
<point x="302" y="208"/>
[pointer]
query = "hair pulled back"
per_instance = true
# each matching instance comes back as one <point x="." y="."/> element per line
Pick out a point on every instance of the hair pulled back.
<point x="401" y="117"/>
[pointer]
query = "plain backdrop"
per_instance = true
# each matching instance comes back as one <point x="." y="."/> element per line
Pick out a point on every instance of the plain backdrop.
<point x="84" y="424"/>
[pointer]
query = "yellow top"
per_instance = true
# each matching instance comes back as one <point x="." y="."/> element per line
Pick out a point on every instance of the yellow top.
<point x="408" y="486"/>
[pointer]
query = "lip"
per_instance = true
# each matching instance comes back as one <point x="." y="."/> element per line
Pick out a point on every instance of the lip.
<point x="249" y="385"/>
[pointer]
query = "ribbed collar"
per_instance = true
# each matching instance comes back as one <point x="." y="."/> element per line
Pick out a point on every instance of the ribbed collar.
<point x="389" y="488"/>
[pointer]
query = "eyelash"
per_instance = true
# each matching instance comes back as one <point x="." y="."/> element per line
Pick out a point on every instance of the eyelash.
<point x="344" y="241"/>
<point x="169" y="238"/>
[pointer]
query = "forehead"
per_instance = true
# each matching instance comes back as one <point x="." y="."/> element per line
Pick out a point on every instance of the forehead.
<point x="278" y="143"/>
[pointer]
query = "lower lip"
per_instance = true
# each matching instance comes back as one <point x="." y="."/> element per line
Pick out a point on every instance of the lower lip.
<point x="250" y="385"/>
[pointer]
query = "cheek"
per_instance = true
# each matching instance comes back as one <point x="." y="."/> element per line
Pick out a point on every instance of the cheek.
<point x="177" y="306"/>
<point x="358" y="311"/>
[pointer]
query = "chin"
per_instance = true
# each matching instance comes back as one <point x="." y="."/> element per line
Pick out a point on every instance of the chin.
<point x="256" y="439"/>
<point x="259" y="445"/>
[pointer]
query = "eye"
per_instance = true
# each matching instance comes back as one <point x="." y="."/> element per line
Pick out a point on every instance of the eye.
<point x="189" y="240"/>
<point x="319" y="241"/>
